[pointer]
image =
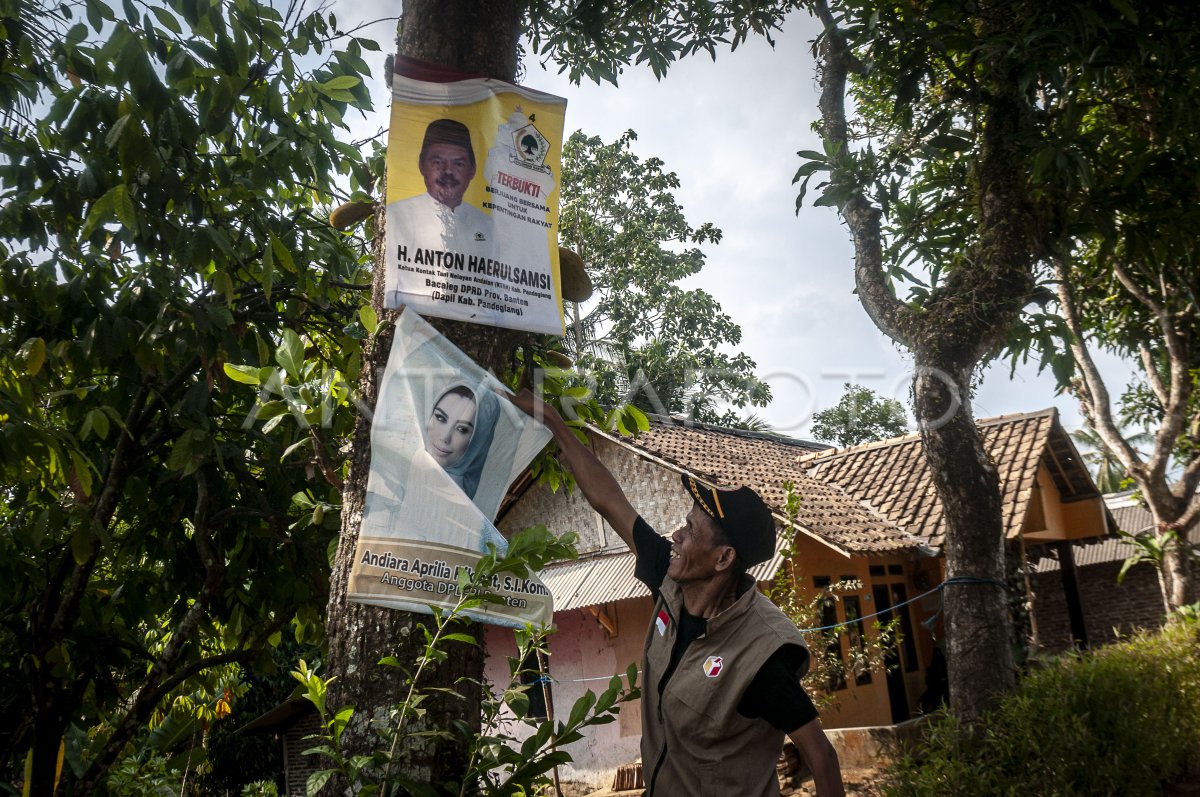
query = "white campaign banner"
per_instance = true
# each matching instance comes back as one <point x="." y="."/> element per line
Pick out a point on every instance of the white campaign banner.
<point x="444" y="450"/>
<point x="473" y="172"/>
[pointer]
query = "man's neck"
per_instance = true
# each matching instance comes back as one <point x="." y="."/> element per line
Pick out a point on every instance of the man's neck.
<point x="709" y="598"/>
<point x="446" y="204"/>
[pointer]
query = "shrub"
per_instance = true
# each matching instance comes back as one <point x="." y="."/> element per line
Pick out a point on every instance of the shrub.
<point x="1123" y="720"/>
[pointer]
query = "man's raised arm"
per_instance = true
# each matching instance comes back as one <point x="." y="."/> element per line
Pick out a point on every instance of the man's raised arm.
<point x="597" y="483"/>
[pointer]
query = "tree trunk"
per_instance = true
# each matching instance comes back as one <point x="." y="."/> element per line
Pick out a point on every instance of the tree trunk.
<point x="473" y="36"/>
<point x="978" y="644"/>
<point x="962" y="323"/>
<point x="1173" y="571"/>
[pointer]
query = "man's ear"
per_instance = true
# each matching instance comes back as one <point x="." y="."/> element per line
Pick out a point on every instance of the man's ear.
<point x="727" y="558"/>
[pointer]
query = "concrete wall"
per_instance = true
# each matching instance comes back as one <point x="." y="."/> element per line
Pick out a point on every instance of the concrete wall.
<point x="580" y="651"/>
<point x="652" y="489"/>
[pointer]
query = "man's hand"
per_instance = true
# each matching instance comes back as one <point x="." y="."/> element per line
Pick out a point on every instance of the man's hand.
<point x="530" y="404"/>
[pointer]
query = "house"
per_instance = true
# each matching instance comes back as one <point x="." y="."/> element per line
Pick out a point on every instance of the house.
<point x="868" y="514"/>
<point x="1110" y="610"/>
<point x="1049" y="499"/>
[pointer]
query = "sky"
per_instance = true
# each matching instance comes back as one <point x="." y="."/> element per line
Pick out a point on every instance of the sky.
<point x="730" y="130"/>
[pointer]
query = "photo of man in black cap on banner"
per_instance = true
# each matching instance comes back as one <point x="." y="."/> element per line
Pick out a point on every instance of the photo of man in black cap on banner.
<point x="722" y="668"/>
<point x="439" y="219"/>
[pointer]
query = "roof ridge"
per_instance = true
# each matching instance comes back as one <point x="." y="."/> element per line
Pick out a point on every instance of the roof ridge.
<point x="814" y="458"/>
<point x="833" y="453"/>
<point x="749" y="434"/>
<point x="1018" y="416"/>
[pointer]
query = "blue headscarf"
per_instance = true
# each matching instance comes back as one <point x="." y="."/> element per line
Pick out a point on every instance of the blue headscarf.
<point x="467" y="470"/>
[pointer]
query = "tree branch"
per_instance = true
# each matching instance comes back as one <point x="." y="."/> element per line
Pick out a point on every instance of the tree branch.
<point x="1178" y="389"/>
<point x="1188" y="482"/>
<point x="323" y="464"/>
<point x="863" y="219"/>
<point x="1097" y="404"/>
<point x="1156" y="383"/>
<point x="157" y="681"/>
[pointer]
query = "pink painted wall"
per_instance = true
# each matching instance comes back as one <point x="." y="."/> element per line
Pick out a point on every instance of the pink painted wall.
<point x="581" y="649"/>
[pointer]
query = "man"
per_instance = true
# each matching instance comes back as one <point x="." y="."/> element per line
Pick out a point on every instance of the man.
<point x="720" y="685"/>
<point x="439" y="219"/>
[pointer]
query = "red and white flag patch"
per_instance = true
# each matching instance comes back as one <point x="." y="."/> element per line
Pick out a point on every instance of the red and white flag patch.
<point x="713" y="666"/>
<point x="662" y="621"/>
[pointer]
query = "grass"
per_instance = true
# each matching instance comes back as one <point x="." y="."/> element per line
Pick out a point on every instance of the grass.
<point x="1122" y="720"/>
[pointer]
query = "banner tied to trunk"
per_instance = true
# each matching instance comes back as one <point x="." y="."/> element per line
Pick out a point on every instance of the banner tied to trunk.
<point x="473" y="172"/>
<point x="444" y="450"/>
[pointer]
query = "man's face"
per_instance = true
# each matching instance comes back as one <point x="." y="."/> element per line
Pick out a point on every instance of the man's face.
<point x="695" y="549"/>
<point x="447" y="170"/>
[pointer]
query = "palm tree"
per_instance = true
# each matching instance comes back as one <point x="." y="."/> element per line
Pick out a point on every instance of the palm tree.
<point x="1110" y="474"/>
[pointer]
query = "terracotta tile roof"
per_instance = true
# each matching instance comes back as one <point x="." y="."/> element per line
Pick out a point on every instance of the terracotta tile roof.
<point x="893" y="477"/>
<point x="765" y="462"/>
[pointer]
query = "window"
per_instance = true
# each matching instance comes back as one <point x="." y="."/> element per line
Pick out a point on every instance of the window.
<point x="833" y="647"/>
<point x="854" y="632"/>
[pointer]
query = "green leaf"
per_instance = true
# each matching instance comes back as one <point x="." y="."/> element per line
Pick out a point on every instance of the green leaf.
<point x="582" y="706"/>
<point x="369" y="318"/>
<point x="294" y="447"/>
<point x="283" y="255"/>
<point x="267" y="278"/>
<point x="317" y="781"/>
<point x="467" y="638"/>
<point x="115" y="132"/>
<point x="81" y="544"/>
<point x="33" y="352"/>
<point x="188" y="451"/>
<point x="246" y="374"/>
<point x="167" y="19"/>
<point x="97" y="12"/>
<point x="290" y="354"/>
<point x="223" y="284"/>
<point x="100" y="212"/>
<point x="339" y="82"/>
<point x="98" y="420"/>
<point x="123" y="206"/>
<point x="270" y="409"/>
<point x="82" y="472"/>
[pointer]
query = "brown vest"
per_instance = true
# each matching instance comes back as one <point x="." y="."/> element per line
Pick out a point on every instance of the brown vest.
<point x="694" y="741"/>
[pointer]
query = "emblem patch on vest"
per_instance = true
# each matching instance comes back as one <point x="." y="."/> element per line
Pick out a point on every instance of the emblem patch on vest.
<point x="662" y="621"/>
<point x="713" y="666"/>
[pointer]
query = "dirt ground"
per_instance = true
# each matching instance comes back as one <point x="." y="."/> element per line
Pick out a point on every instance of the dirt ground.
<point x="866" y="783"/>
<point x="859" y="783"/>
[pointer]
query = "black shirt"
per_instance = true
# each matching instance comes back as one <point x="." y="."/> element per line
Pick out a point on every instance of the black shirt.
<point x="775" y="693"/>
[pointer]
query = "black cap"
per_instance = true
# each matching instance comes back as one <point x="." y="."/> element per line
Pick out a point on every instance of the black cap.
<point x="448" y="131"/>
<point x="741" y="514"/>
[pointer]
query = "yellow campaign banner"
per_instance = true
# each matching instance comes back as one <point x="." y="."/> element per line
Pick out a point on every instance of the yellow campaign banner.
<point x="473" y="172"/>
<point x="445" y="447"/>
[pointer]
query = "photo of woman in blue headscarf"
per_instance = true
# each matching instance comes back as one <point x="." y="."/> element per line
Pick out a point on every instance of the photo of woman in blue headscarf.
<point x="458" y="430"/>
<point x="444" y="449"/>
<point x="459" y="433"/>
